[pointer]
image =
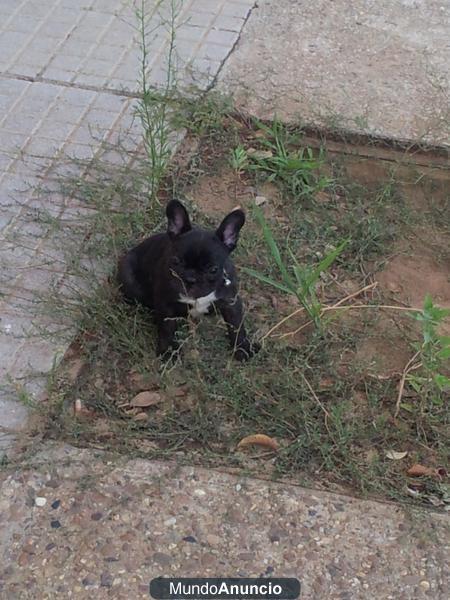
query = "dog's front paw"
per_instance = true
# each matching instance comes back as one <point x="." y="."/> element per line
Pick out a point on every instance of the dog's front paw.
<point x="246" y="350"/>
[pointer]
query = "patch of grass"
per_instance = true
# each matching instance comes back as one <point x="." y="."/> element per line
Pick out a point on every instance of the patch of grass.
<point x="299" y="281"/>
<point x="277" y="158"/>
<point x="203" y="115"/>
<point x="426" y="372"/>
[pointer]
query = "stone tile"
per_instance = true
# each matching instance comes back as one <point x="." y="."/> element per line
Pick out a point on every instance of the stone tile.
<point x="229" y="23"/>
<point x="13" y="415"/>
<point x="219" y="36"/>
<point x="215" y="53"/>
<point x="236" y="9"/>
<point x="10" y="44"/>
<point x="12" y="143"/>
<point x="35" y="357"/>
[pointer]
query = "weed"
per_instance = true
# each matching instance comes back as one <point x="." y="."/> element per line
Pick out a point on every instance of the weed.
<point x="238" y="160"/>
<point x="153" y="106"/>
<point x="296" y="170"/>
<point x="296" y="280"/>
<point x="428" y="379"/>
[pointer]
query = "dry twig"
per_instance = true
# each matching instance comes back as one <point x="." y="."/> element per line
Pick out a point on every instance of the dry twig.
<point x="410" y="366"/>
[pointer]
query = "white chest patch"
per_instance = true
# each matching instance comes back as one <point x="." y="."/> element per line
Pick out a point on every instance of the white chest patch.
<point x="198" y="306"/>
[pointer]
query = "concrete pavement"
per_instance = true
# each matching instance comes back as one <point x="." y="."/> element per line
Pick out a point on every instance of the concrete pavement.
<point x="79" y="524"/>
<point x="374" y="67"/>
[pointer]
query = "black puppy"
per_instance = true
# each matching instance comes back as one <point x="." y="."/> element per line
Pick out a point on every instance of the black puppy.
<point x="187" y="270"/>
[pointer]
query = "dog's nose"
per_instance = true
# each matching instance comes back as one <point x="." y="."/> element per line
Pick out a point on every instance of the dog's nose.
<point x="191" y="279"/>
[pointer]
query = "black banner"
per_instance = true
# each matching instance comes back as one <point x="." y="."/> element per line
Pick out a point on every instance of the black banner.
<point x="221" y="588"/>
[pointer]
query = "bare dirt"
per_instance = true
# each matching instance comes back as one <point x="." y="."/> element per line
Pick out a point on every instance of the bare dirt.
<point x="418" y="263"/>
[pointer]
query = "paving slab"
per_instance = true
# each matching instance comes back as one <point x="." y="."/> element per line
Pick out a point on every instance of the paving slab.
<point x="379" y="67"/>
<point x="69" y="74"/>
<point x="77" y="523"/>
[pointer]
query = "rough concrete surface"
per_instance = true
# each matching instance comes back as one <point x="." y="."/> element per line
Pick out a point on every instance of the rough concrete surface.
<point x="375" y="66"/>
<point x="74" y="523"/>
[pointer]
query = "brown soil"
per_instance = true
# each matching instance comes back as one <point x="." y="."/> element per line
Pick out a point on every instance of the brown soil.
<point x="411" y="272"/>
<point x="408" y="277"/>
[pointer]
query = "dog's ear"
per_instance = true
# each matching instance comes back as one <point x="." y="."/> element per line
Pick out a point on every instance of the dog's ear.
<point x="228" y="231"/>
<point x="177" y="219"/>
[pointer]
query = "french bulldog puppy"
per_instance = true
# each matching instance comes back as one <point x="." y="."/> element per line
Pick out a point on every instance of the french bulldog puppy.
<point x="187" y="270"/>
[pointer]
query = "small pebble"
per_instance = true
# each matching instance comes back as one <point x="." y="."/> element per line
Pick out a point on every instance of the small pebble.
<point x="40" y="501"/>
<point x="96" y="516"/>
<point x="55" y="524"/>
<point x="170" y="522"/>
<point x="56" y="504"/>
<point x="425" y="585"/>
<point x="199" y="492"/>
<point x="189" y="538"/>
<point x="260" y="200"/>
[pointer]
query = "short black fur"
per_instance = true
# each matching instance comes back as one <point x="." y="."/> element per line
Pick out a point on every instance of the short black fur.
<point x="187" y="268"/>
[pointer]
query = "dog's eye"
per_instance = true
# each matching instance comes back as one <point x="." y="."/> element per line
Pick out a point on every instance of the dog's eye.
<point x="213" y="270"/>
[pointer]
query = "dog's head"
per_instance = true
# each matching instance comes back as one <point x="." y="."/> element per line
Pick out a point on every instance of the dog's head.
<point x="199" y="258"/>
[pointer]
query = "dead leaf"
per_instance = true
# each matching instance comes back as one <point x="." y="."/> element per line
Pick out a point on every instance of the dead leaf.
<point x="393" y="455"/>
<point x="131" y="411"/>
<point x="258" y="439"/>
<point x="142" y="416"/>
<point x="145" y="399"/>
<point x="259" y="134"/>
<point x="418" y="470"/>
<point x="323" y="197"/>
<point x="261" y="154"/>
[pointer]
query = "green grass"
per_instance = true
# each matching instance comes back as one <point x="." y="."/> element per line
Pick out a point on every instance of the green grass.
<point x="297" y="280"/>
<point x="278" y="158"/>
